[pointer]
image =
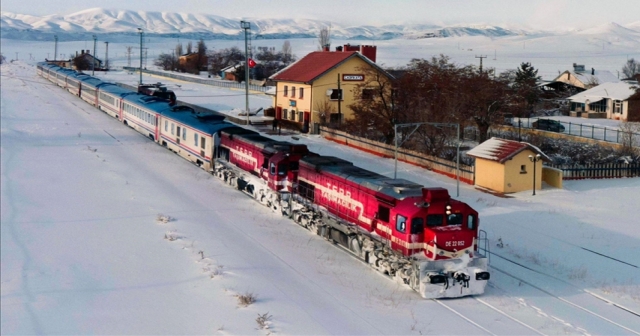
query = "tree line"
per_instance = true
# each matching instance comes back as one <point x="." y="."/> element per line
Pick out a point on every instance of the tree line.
<point x="201" y="58"/>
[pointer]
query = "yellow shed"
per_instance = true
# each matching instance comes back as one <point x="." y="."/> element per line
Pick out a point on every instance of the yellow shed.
<point x="507" y="166"/>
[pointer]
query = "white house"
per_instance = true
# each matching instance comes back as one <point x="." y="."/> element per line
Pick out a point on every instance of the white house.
<point x="608" y="100"/>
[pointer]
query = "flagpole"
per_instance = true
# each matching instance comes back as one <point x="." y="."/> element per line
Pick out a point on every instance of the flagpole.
<point x="246" y="26"/>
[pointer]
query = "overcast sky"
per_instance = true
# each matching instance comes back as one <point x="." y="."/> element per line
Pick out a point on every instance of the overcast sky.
<point x="540" y="14"/>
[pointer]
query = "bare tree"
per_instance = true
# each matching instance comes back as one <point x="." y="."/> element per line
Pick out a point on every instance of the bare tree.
<point x="189" y="47"/>
<point x="223" y="58"/>
<point x="165" y="61"/>
<point x="324" y="37"/>
<point x="286" y="48"/>
<point x="81" y="63"/>
<point x="631" y="68"/>
<point x="179" y="50"/>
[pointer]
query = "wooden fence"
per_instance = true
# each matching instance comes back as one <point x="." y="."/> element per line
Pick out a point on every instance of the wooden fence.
<point x="432" y="163"/>
<point x="598" y="171"/>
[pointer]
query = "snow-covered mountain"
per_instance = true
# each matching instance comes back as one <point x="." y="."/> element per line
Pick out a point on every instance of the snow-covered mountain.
<point x="105" y="21"/>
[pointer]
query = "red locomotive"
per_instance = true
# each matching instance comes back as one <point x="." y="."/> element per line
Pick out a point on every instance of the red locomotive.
<point x="419" y="236"/>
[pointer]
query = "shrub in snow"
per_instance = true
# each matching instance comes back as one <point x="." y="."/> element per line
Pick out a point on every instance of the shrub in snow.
<point x="264" y="320"/>
<point x="246" y="299"/>
<point x="164" y="219"/>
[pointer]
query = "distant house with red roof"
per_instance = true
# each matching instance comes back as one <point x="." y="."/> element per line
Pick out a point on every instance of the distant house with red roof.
<point x="319" y="87"/>
<point x="504" y="166"/>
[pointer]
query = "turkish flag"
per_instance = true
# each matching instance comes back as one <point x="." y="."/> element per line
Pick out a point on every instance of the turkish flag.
<point x="252" y="63"/>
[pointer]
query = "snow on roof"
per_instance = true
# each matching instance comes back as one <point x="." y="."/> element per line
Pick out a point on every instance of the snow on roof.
<point x="617" y="91"/>
<point x="501" y="150"/>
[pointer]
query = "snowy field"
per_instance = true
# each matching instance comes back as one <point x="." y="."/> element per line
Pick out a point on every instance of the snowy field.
<point x="82" y="251"/>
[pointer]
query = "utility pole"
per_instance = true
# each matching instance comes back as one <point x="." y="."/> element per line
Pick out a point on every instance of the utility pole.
<point x="481" y="57"/>
<point x="140" y="31"/>
<point x="246" y="26"/>
<point x="93" y="61"/>
<point x="55" y="50"/>
<point x="129" y="52"/>
<point x="106" y="56"/>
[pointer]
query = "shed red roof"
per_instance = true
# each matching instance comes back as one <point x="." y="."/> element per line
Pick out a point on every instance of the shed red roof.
<point x="312" y="66"/>
<point x="501" y="150"/>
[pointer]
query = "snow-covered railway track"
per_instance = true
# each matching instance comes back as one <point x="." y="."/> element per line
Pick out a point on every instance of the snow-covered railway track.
<point x="583" y="310"/>
<point x="491" y="320"/>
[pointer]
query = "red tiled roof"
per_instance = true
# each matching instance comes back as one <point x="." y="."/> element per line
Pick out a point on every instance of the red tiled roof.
<point x="501" y="150"/>
<point x="311" y="66"/>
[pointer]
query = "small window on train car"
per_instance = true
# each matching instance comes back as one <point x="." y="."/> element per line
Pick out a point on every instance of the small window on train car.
<point x="471" y="222"/>
<point x="195" y="139"/>
<point x="272" y="171"/>
<point x="184" y="134"/>
<point x="166" y="126"/>
<point x="454" y="219"/>
<point x="173" y="128"/>
<point x="434" y="220"/>
<point x="417" y="225"/>
<point x="401" y="223"/>
<point x="202" y="142"/>
<point x="383" y="213"/>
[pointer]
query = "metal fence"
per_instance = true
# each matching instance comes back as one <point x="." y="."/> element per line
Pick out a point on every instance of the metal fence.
<point x="206" y="81"/>
<point x="595" y="132"/>
<point x="598" y="171"/>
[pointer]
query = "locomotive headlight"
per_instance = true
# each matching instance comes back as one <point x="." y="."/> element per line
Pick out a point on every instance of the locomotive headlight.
<point x="448" y="208"/>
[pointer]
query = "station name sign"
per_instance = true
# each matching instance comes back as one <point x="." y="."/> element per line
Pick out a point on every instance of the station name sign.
<point x="352" y="78"/>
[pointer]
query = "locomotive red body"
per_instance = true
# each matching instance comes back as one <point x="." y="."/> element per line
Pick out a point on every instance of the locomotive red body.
<point x="419" y="236"/>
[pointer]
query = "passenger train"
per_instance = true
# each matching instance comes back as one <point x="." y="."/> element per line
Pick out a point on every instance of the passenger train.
<point x="416" y="235"/>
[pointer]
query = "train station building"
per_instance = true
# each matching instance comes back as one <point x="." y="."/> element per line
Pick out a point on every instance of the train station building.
<point x="320" y="87"/>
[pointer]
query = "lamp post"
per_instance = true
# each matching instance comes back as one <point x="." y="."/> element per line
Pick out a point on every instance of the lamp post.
<point x="534" y="159"/>
<point x="457" y="126"/>
<point x="246" y="26"/>
<point x="141" y="33"/>
<point x="93" y="61"/>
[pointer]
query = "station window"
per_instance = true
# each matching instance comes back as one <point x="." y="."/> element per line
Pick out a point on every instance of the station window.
<point x="286" y="90"/>
<point x="301" y="94"/>
<point x="293" y="91"/>
<point x="523" y="169"/>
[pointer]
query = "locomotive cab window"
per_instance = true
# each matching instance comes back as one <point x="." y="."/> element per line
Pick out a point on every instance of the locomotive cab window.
<point x="282" y="169"/>
<point x="273" y="169"/>
<point x="401" y="223"/>
<point x="454" y="219"/>
<point x="417" y="226"/>
<point x="434" y="220"/>
<point x="471" y="222"/>
<point x="383" y="213"/>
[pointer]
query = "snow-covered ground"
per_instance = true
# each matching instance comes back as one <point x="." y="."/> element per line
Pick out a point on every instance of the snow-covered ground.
<point x="82" y="251"/>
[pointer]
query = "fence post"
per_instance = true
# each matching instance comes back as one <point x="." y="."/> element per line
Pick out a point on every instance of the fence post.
<point x="580" y="129"/>
<point x="617" y="136"/>
<point x="605" y="134"/>
<point x="592" y="131"/>
<point x="569" y="127"/>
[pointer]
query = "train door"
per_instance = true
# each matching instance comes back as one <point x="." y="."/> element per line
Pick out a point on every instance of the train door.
<point x="156" y="120"/>
<point x="278" y="168"/>
<point x="400" y="233"/>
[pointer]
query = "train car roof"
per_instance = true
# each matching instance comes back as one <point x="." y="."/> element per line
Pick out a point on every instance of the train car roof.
<point x="267" y="145"/>
<point x="395" y="188"/>
<point x="92" y="81"/>
<point x="116" y="90"/>
<point x="205" y="123"/>
<point x="148" y="102"/>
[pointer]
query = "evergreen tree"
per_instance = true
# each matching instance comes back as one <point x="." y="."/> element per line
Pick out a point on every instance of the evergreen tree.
<point x="526" y="86"/>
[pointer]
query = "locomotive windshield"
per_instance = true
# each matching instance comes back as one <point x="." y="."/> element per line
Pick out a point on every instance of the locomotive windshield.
<point x="454" y="219"/>
<point x="439" y="220"/>
<point x="417" y="225"/>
